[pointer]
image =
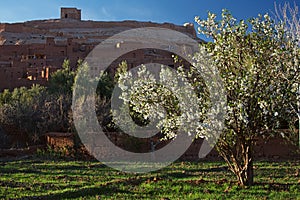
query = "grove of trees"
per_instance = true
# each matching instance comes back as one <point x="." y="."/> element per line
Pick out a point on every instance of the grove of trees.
<point x="32" y="112"/>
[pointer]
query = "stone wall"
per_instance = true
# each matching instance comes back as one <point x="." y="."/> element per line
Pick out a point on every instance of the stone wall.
<point x="271" y="149"/>
<point x="60" y="140"/>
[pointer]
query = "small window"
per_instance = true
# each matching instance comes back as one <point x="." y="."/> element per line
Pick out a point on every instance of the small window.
<point x="66" y="15"/>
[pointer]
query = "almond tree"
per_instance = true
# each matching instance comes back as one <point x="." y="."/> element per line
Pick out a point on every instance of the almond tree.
<point x="259" y="64"/>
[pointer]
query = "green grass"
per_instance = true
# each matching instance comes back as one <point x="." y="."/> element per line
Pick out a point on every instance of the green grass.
<point x="38" y="178"/>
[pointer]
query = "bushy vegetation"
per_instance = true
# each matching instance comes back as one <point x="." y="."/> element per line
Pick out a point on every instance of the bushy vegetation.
<point x="32" y="112"/>
<point x="21" y="111"/>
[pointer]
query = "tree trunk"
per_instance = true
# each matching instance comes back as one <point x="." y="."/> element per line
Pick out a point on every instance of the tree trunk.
<point x="250" y="174"/>
<point x="244" y="171"/>
<point x="239" y="160"/>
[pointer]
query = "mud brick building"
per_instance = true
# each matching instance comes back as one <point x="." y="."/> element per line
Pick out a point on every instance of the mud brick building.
<point x="31" y="51"/>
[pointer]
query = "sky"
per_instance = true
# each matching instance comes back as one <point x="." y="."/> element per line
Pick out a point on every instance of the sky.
<point x="172" y="11"/>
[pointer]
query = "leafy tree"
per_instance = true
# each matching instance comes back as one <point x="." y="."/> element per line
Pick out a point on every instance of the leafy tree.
<point x="259" y="66"/>
<point x="5" y="97"/>
<point x="288" y="15"/>
<point x="62" y="80"/>
<point x="21" y="112"/>
<point x="59" y="100"/>
<point x="104" y="82"/>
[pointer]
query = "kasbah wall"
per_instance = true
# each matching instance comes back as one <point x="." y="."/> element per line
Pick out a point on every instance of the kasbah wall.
<point x="31" y="51"/>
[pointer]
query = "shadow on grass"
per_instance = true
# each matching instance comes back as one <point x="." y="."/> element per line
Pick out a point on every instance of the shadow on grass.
<point x="84" y="192"/>
<point x="49" y="168"/>
<point x="107" y="189"/>
<point x="275" y="186"/>
<point x="190" y="171"/>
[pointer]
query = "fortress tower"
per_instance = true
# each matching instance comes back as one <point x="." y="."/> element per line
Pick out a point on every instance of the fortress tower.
<point x="70" y="13"/>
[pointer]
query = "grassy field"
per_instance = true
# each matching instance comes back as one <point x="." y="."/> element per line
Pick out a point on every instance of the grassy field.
<point x="36" y="178"/>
